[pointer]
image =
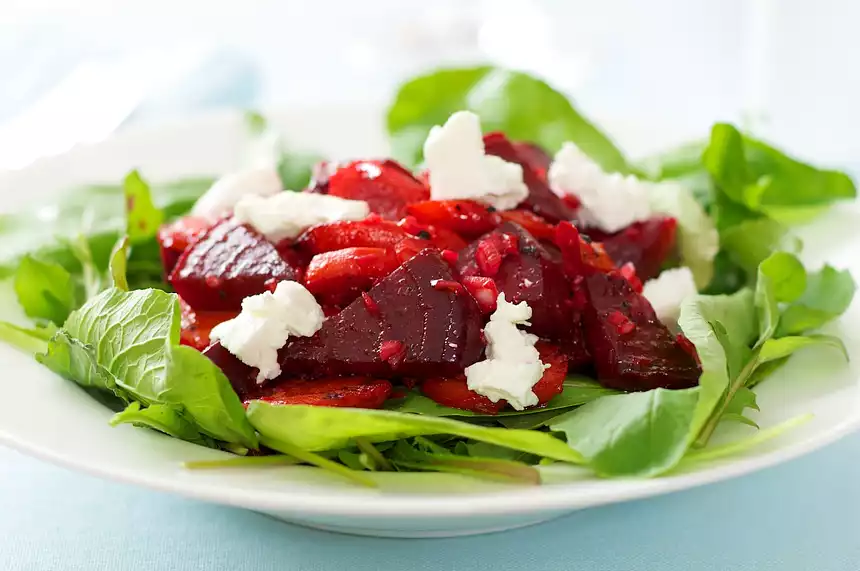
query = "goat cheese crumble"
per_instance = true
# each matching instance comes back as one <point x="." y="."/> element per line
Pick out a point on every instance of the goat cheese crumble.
<point x="459" y="168"/>
<point x="287" y="214"/>
<point x="610" y="201"/>
<point x="228" y="190"/>
<point x="667" y="292"/>
<point x="266" y="322"/>
<point x="512" y="365"/>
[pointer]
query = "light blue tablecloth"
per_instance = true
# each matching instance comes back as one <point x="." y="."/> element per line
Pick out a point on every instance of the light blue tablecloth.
<point x="802" y="516"/>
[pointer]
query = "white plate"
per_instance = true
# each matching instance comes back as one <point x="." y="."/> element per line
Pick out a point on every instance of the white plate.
<point x="52" y="419"/>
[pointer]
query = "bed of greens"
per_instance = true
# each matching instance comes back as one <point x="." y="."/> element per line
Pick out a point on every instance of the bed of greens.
<point x="89" y="277"/>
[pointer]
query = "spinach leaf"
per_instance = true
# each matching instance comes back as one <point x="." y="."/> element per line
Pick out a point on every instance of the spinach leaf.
<point x="163" y="418"/>
<point x="637" y="434"/>
<point x="45" y="290"/>
<point x="524" y="107"/>
<point x="827" y="295"/>
<point x="323" y="428"/>
<point x="128" y="343"/>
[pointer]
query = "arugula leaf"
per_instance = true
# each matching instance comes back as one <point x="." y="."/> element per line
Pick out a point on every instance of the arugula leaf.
<point x="576" y="391"/>
<point x="680" y="162"/>
<point x="307" y="457"/>
<point x="775" y="349"/>
<point x="128" y="343"/>
<point x="750" y="242"/>
<point x="45" y="290"/>
<point x="143" y="218"/>
<point x="406" y="456"/>
<point x="781" y="278"/>
<point x="90" y="273"/>
<point x="160" y="417"/>
<point x="739" y="446"/>
<point x="118" y="265"/>
<point x="743" y="399"/>
<point x="637" y="434"/>
<point x="324" y="428"/>
<point x="97" y="212"/>
<point x="524" y="107"/>
<point x="827" y="295"/>
<point x="767" y="181"/>
<point x="698" y="241"/>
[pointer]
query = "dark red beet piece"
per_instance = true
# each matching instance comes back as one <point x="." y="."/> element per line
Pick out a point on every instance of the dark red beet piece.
<point x="227" y="264"/>
<point x="541" y="200"/>
<point x="174" y="238"/>
<point x="440" y="329"/>
<point x="644" y="244"/>
<point x="242" y="377"/>
<point x="632" y="350"/>
<point x="196" y="325"/>
<point x="353" y="392"/>
<point x="385" y="185"/>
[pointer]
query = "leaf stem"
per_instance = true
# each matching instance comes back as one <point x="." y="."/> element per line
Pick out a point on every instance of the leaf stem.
<point x="734" y="387"/>
<point x="379" y="461"/>
<point x="242" y="462"/>
<point x="317" y="460"/>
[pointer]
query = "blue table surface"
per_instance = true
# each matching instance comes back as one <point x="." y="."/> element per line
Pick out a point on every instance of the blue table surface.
<point x="799" y="516"/>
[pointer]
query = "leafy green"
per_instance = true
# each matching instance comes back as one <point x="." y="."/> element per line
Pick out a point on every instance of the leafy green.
<point x="775" y="349"/>
<point x="781" y="278"/>
<point x="637" y="434"/>
<point x="750" y="242"/>
<point x="767" y="181"/>
<point x="242" y="462"/>
<point x="294" y="169"/>
<point x="323" y="428"/>
<point x="739" y="446"/>
<point x="163" y="418"/>
<point x="118" y="265"/>
<point x="30" y="340"/>
<point x="307" y="457"/>
<point x="143" y="218"/>
<point x="524" y="107"/>
<point x="827" y="295"/>
<point x="407" y="456"/>
<point x="45" y="290"/>
<point x="128" y="343"/>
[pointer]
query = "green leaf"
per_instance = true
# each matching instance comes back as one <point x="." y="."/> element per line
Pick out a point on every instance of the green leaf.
<point x="205" y="394"/>
<point x="740" y="446"/>
<point x="576" y="391"/>
<point x="128" y="342"/>
<point x="307" y="457"/>
<point x="774" y="349"/>
<point x="75" y="361"/>
<point x="90" y="274"/>
<point x="118" y="265"/>
<point x="45" y="290"/>
<point x="781" y="278"/>
<point x="750" y="242"/>
<point x="764" y="180"/>
<point x="524" y="107"/>
<point x="295" y="169"/>
<point x="143" y="218"/>
<point x="827" y="295"/>
<point x="327" y="428"/>
<point x="255" y="121"/>
<point x="743" y="399"/>
<point x="160" y="417"/>
<point x="97" y="212"/>
<point x="677" y="163"/>
<point x="637" y="434"/>
<point x="406" y="456"/>
<point x="31" y="340"/>
<point x="697" y="238"/>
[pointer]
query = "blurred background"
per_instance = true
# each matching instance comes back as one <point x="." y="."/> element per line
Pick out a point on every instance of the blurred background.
<point x="77" y="71"/>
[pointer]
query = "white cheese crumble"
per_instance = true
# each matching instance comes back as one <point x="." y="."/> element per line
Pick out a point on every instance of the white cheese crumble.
<point x="459" y="168"/>
<point x="610" y="202"/>
<point x="223" y="195"/>
<point x="287" y="214"/>
<point x="512" y="365"/>
<point x="266" y="322"/>
<point x="667" y="291"/>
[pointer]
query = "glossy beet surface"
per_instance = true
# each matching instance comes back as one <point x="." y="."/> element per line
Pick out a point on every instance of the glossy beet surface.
<point x="439" y="330"/>
<point x="531" y="273"/>
<point x="354" y="392"/>
<point x="632" y="350"/>
<point x="541" y="200"/>
<point x="174" y="238"/>
<point x="196" y="325"/>
<point x="338" y="277"/>
<point x="647" y="245"/>
<point x="227" y="264"/>
<point x="370" y="233"/>
<point x="385" y="185"/>
<point x="465" y="217"/>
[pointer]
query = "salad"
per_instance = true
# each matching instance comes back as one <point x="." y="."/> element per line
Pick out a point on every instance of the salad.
<point x="508" y="291"/>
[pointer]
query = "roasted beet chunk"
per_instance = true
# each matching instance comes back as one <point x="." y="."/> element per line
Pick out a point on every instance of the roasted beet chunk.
<point x="644" y="244"/>
<point x="242" y="377"/>
<point x="385" y="185"/>
<point x="338" y="277"/>
<point x="632" y="350"/>
<point x="438" y="330"/>
<point x="227" y="264"/>
<point x="174" y="238"/>
<point x="353" y="392"/>
<point x="541" y="200"/>
<point x="369" y="233"/>
<point x="465" y="217"/>
<point x="196" y="325"/>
